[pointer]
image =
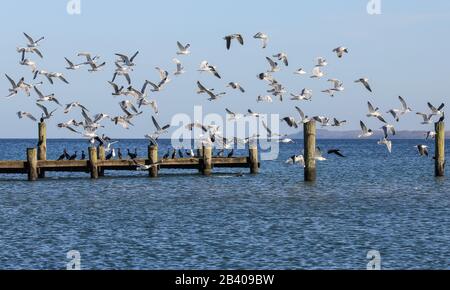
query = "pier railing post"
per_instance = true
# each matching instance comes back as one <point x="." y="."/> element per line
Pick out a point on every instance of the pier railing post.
<point x="32" y="164"/>
<point x="153" y="158"/>
<point x="309" y="139"/>
<point x="253" y="159"/>
<point x="207" y="160"/>
<point x="200" y="155"/>
<point x="439" y="163"/>
<point x="42" y="145"/>
<point x="101" y="156"/>
<point x="93" y="168"/>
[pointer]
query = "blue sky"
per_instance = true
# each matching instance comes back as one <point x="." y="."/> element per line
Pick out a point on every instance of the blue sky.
<point x="404" y="51"/>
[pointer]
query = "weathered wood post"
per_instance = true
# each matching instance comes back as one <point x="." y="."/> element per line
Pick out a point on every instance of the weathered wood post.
<point x="200" y="155"/>
<point x="309" y="139"/>
<point x="93" y="162"/>
<point x="32" y="164"/>
<point x="153" y="158"/>
<point x="439" y="163"/>
<point x="42" y="145"/>
<point x="207" y="160"/>
<point x="253" y="159"/>
<point x="101" y="156"/>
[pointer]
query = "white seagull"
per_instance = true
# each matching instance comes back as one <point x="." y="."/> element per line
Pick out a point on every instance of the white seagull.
<point x="22" y="114"/>
<point x="365" y="132"/>
<point x="388" y="143"/>
<point x="183" y="49"/>
<point x="365" y="82"/>
<point x="264" y="38"/>
<point x="180" y="68"/>
<point x="340" y="51"/>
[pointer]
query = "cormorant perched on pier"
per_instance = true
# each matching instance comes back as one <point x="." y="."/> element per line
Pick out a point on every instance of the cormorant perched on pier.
<point x="111" y="154"/>
<point x="190" y="153"/>
<point x="167" y="154"/>
<point x="230" y="154"/>
<point x="74" y="156"/>
<point x="131" y="155"/>
<point x="180" y="153"/>
<point x="63" y="156"/>
<point x="119" y="153"/>
<point x="220" y="153"/>
<point x="174" y="153"/>
<point x="83" y="155"/>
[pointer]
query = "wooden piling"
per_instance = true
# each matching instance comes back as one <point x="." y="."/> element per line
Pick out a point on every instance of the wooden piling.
<point x="32" y="164"/>
<point x="253" y="159"/>
<point x="207" y="160"/>
<point x="101" y="156"/>
<point x="153" y="158"/>
<point x="200" y="155"/>
<point x="93" y="168"/>
<point x="439" y="163"/>
<point x="309" y="139"/>
<point x="42" y="146"/>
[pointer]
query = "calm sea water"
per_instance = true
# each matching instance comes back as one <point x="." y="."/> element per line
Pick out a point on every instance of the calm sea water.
<point x="368" y="201"/>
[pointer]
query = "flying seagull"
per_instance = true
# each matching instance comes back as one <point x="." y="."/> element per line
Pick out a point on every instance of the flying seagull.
<point x="183" y="49"/>
<point x="180" y="68"/>
<point x="282" y="57"/>
<point x="263" y="37"/>
<point x="22" y="114"/>
<point x="236" y="36"/>
<point x="365" y="132"/>
<point x="46" y="114"/>
<point x="273" y="65"/>
<point x="365" y="82"/>
<point x="426" y="118"/>
<point x="235" y="86"/>
<point x="374" y="112"/>
<point x="388" y="143"/>
<point x="71" y="65"/>
<point x="205" y="66"/>
<point x="423" y="149"/>
<point x="340" y="51"/>
<point x="31" y="41"/>
<point x="294" y="159"/>
<point x="434" y="110"/>
<point x="128" y="61"/>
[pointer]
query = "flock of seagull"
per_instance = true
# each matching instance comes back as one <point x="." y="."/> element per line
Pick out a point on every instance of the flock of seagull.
<point x="131" y="108"/>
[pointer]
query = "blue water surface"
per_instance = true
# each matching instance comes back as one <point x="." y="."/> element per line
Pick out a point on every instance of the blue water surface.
<point x="370" y="200"/>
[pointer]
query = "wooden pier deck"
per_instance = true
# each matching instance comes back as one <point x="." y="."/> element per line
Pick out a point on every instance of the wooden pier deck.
<point x="36" y="163"/>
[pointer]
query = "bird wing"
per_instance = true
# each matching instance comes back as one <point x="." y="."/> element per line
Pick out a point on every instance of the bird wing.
<point x="371" y="109"/>
<point x="363" y="126"/>
<point x="69" y="62"/>
<point x="267" y="128"/>
<point x="228" y="39"/>
<point x="11" y="81"/>
<point x="381" y="119"/>
<point x="30" y="39"/>
<point x="240" y="39"/>
<point x="134" y="55"/>
<point x="271" y="62"/>
<point x="229" y="112"/>
<point x="366" y="84"/>
<point x="404" y="105"/>
<point x="180" y="46"/>
<point x="43" y="108"/>
<point x="302" y="115"/>
<point x="156" y="124"/>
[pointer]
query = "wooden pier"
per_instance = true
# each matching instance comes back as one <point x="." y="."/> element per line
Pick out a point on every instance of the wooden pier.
<point x="36" y="163"/>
